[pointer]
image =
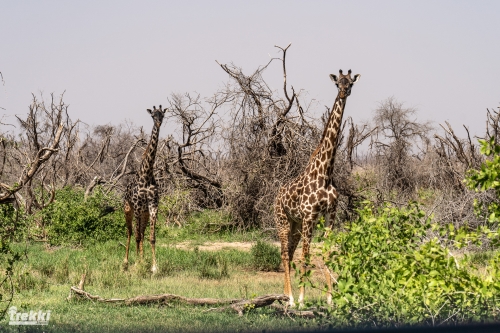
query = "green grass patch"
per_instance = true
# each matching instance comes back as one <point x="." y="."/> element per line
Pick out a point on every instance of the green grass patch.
<point x="266" y="256"/>
<point x="206" y="226"/>
<point x="227" y="273"/>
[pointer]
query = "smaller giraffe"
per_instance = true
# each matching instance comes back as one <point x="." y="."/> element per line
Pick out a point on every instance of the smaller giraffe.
<point x="141" y="196"/>
<point x="301" y="202"/>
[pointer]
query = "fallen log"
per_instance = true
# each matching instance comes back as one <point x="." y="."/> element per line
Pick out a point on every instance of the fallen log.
<point x="286" y="311"/>
<point x="248" y="304"/>
<point x="148" y="299"/>
<point x="238" y="305"/>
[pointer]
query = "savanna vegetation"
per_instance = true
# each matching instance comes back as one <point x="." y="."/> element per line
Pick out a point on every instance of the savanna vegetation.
<point x="415" y="241"/>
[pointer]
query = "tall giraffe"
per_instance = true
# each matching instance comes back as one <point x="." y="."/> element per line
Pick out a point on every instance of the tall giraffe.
<point x="141" y="197"/>
<point x="302" y="201"/>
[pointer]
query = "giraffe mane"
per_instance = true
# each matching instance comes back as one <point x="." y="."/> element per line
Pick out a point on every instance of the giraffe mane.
<point x="315" y="152"/>
<point x="146" y="150"/>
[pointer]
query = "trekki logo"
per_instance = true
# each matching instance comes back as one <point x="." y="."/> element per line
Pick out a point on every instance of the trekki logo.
<point x="28" y="318"/>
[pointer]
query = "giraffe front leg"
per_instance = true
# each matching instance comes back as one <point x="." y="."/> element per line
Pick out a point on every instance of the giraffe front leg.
<point x="307" y="226"/>
<point x="328" y="278"/>
<point x="144" y="223"/>
<point x="284" y="233"/>
<point x="142" y="218"/>
<point x="153" y="209"/>
<point x="137" y="217"/>
<point x="329" y="221"/>
<point x="129" y="217"/>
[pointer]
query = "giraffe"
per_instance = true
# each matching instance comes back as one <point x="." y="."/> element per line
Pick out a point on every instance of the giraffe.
<point x="141" y="196"/>
<point x="311" y="195"/>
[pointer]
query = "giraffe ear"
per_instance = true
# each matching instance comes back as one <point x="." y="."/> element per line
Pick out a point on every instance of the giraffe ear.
<point x="333" y="77"/>
<point x="149" y="111"/>
<point x="356" y="78"/>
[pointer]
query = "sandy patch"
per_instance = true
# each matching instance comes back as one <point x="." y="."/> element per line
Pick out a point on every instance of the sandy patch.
<point x="216" y="246"/>
<point x="241" y="246"/>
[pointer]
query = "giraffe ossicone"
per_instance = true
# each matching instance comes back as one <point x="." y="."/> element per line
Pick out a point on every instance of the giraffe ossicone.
<point x="141" y="196"/>
<point x="300" y="203"/>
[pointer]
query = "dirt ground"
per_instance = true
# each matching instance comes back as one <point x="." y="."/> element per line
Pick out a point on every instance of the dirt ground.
<point x="246" y="246"/>
<point x="216" y="246"/>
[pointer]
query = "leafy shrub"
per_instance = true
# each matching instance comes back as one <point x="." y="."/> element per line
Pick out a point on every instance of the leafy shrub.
<point x="12" y="228"/>
<point x="212" y="266"/>
<point x="210" y="221"/>
<point x="173" y="208"/>
<point x="488" y="178"/>
<point x="70" y="219"/>
<point x="12" y="223"/>
<point x="265" y="256"/>
<point x="25" y="280"/>
<point x="391" y="273"/>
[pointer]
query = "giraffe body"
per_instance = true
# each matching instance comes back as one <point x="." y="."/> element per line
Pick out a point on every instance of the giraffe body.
<point x="300" y="203"/>
<point x="141" y="196"/>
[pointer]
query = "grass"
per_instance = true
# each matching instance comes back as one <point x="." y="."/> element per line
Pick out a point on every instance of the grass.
<point x="43" y="281"/>
<point x="208" y="226"/>
<point x="265" y="256"/>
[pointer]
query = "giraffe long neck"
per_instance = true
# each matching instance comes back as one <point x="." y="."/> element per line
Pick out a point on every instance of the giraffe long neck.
<point x="325" y="153"/>
<point x="148" y="159"/>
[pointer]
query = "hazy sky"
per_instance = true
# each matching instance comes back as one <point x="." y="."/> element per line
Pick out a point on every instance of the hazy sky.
<point x="114" y="59"/>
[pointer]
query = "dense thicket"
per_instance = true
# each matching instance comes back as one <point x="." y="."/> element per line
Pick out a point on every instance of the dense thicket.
<point x="233" y="150"/>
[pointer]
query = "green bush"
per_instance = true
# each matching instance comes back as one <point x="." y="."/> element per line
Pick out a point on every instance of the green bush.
<point x="488" y="178"/>
<point x="71" y="220"/>
<point x="25" y="280"/>
<point x="212" y="266"/>
<point x="392" y="272"/>
<point x="265" y="257"/>
<point x="12" y="228"/>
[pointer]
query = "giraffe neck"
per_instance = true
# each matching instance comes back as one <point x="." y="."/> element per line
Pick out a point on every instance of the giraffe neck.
<point x="325" y="152"/>
<point x="149" y="156"/>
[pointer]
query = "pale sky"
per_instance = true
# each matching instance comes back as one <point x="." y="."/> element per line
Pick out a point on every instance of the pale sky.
<point x="114" y="59"/>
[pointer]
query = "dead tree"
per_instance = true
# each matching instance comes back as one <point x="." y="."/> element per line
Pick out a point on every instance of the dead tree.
<point x="394" y="144"/>
<point x="350" y="137"/>
<point x="28" y="157"/>
<point x="188" y="157"/>
<point x="268" y="140"/>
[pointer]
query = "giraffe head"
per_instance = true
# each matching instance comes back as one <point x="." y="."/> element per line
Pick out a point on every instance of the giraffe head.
<point x="344" y="82"/>
<point x="157" y="114"/>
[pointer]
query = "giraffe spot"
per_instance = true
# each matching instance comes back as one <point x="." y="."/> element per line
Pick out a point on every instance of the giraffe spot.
<point x="307" y="190"/>
<point x="321" y="195"/>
